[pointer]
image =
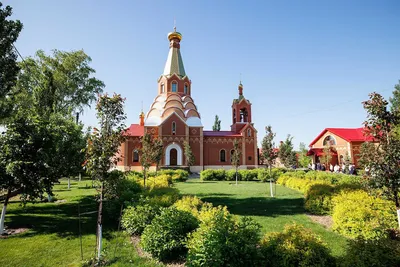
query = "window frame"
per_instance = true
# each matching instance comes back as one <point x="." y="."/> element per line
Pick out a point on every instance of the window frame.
<point x="222" y="152"/>
<point x="174" y="85"/>
<point x="135" y="151"/>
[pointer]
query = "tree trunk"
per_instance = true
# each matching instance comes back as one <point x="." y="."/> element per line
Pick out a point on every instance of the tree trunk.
<point x="3" y="212"/>
<point x="100" y="225"/>
<point x="144" y="178"/>
<point x="69" y="183"/>
<point x="397" y="201"/>
<point x="236" y="177"/>
<point x="80" y="177"/>
<point x="270" y="182"/>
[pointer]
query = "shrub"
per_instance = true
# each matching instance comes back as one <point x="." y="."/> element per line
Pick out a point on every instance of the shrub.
<point x="264" y="174"/>
<point x="230" y="175"/>
<point x="295" y="246"/>
<point x="207" y="175"/>
<point x="219" y="175"/>
<point x="222" y="241"/>
<point x="176" y="175"/>
<point x="163" y="197"/>
<point x="165" y="237"/>
<point x="190" y="204"/>
<point x="318" y="199"/>
<point x="378" y="253"/>
<point x="359" y="214"/>
<point x="135" y="219"/>
<point x="249" y="175"/>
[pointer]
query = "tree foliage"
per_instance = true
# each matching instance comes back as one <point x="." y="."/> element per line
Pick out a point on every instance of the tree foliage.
<point x="151" y="152"/>
<point x="235" y="157"/>
<point x="269" y="152"/>
<point x="382" y="159"/>
<point x="63" y="82"/>
<point x="327" y="155"/>
<point x="303" y="160"/>
<point x="286" y="153"/>
<point x="188" y="154"/>
<point x="9" y="32"/>
<point x="217" y="124"/>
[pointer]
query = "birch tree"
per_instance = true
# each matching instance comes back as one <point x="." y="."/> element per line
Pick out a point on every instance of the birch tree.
<point x="269" y="153"/>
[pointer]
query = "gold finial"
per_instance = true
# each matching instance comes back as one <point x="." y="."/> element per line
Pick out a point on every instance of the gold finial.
<point x="174" y="25"/>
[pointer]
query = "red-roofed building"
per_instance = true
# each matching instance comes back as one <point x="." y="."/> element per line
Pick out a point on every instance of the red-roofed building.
<point x="342" y="141"/>
<point x="174" y="118"/>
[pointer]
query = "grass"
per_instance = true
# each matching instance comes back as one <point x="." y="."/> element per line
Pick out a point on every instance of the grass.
<point x="252" y="199"/>
<point x="53" y="236"/>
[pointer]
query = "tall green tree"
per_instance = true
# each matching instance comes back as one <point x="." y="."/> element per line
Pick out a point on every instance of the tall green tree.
<point x="217" y="124"/>
<point x="27" y="164"/>
<point x="103" y="145"/>
<point x="269" y="153"/>
<point x="235" y="157"/>
<point x="382" y="159"/>
<point x="9" y="32"/>
<point x="286" y="153"/>
<point x="188" y="154"/>
<point x="304" y="160"/>
<point x="158" y="151"/>
<point x="150" y="153"/>
<point x="63" y="82"/>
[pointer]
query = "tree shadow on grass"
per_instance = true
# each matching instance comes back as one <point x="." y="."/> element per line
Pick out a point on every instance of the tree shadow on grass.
<point x="59" y="218"/>
<point x="259" y="206"/>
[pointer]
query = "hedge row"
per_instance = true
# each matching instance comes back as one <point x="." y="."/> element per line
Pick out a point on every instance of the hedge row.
<point x="176" y="175"/>
<point x="354" y="212"/>
<point x="261" y="174"/>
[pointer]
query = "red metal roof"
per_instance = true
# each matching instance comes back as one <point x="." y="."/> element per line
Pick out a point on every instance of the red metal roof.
<point x="220" y="133"/>
<point x="348" y="134"/>
<point x="135" y="130"/>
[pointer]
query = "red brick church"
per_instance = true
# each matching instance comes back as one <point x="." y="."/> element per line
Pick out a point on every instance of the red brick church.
<point x="174" y="118"/>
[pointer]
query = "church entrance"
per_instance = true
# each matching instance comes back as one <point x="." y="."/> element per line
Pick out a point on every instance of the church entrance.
<point x="173" y="157"/>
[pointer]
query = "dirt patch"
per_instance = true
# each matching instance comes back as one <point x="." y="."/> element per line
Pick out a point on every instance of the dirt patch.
<point x="10" y="232"/>
<point x="326" y="220"/>
<point x="136" y="240"/>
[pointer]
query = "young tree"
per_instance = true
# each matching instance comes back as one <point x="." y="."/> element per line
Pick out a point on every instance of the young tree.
<point x="327" y="156"/>
<point x="304" y="160"/>
<point x="217" y="124"/>
<point x="269" y="153"/>
<point x="146" y="155"/>
<point x="235" y="157"/>
<point x="158" y="151"/>
<point x="286" y="153"/>
<point x="188" y="154"/>
<point x="9" y="32"/>
<point x="103" y="145"/>
<point x="382" y="159"/>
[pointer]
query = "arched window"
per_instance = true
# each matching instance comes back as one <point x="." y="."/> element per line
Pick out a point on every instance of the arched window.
<point x="222" y="156"/>
<point x="162" y="88"/>
<point x="174" y="87"/>
<point x="186" y="89"/>
<point x="135" y="156"/>
<point x="243" y="115"/>
<point x="173" y="127"/>
<point x="329" y="140"/>
<point x="249" y="132"/>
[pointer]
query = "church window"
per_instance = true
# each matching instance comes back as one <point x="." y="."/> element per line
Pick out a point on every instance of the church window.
<point x="162" y="88"/>
<point x="249" y="132"/>
<point x="186" y="89"/>
<point x="249" y="158"/>
<point x="329" y="140"/>
<point x="174" y="87"/>
<point x="243" y="115"/>
<point x="135" y="156"/>
<point x="173" y="127"/>
<point x="222" y="156"/>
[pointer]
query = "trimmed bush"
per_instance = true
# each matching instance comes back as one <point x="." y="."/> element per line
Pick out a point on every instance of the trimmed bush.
<point x="222" y="241"/>
<point x="207" y="175"/>
<point x="249" y="175"/>
<point x="318" y="199"/>
<point x="378" y="253"/>
<point x="165" y="237"/>
<point x="190" y="204"/>
<point x="295" y="246"/>
<point x="163" y="197"/>
<point x="159" y="181"/>
<point x="135" y="219"/>
<point x="230" y="175"/>
<point x="359" y="214"/>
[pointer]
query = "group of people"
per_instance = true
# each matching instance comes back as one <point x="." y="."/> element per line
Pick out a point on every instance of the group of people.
<point x="337" y="168"/>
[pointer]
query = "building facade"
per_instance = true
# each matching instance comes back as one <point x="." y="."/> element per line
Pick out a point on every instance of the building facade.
<point x="342" y="142"/>
<point x="174" y="118"/>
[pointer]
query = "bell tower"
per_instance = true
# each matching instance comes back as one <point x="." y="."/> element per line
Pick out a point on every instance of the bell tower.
<point x="241" y="111"/>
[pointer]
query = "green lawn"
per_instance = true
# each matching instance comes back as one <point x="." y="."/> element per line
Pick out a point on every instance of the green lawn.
<point x="251" y="199"/>
<point x="53" y="238"/>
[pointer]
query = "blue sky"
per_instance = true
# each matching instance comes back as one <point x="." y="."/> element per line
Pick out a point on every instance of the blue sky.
<point x="305" y="65"/>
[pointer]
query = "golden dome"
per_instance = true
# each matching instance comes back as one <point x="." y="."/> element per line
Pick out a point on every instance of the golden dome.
<point x="174" y="34"/>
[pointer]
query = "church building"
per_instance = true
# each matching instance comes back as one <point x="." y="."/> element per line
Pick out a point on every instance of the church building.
<point x="174" y="118"/>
